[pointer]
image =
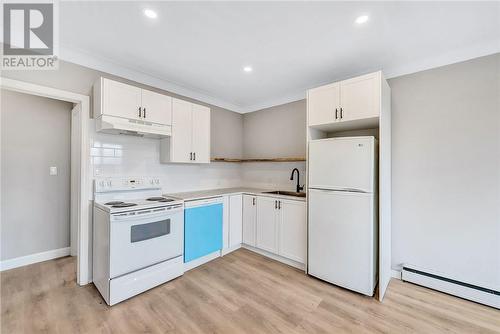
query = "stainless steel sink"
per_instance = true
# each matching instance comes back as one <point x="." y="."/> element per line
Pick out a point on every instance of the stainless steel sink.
<point x="285" y="193"/>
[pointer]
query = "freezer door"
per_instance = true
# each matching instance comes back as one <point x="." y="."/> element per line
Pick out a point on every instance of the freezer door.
<point x="342" y="244"/>
<point x="342" y="163"/>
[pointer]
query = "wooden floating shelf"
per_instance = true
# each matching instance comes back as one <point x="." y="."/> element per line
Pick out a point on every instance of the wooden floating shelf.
<point x="258" y="160"/>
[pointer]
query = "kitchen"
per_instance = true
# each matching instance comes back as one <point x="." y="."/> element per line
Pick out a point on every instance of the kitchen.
<point x="248" y="194"/>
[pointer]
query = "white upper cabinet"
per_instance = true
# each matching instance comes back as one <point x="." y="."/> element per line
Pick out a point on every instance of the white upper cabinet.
<point x="190" y="140"/>
<point x="356" y="99"/>
<point x="156" y="108"/>
<point x="117" y="99"/>
<point x="360" y="97"/>
<point x="121" y="100"/>
<point x="324" y="101"/>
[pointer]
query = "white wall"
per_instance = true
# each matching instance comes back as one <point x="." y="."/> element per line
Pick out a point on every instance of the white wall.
<point x="35" y="215"/>
<point x="446" y="170"/>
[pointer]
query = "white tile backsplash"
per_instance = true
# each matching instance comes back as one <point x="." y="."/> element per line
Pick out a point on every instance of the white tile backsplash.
<point x="122" y="155"/>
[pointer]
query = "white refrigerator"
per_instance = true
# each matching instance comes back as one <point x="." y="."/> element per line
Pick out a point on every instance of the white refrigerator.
<point x="342" y="229"/>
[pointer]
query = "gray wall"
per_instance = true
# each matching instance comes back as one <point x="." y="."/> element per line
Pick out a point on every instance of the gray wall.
<point x="446" y="170"/>
<point x="226" y="141"/>
<point x="275" y="132"/>
<point x="35" y="206"/>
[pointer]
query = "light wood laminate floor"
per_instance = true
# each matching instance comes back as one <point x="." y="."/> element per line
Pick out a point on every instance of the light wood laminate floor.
<point x="240" y="293"/>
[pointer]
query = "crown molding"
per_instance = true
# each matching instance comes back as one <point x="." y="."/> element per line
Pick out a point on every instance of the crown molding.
<point x="108" y="66"/>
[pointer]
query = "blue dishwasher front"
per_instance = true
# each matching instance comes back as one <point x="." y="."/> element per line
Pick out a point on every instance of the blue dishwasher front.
<point x="202" y="230"/>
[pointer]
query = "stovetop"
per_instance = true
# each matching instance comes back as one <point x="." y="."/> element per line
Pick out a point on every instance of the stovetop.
<point x="119" y="205"/>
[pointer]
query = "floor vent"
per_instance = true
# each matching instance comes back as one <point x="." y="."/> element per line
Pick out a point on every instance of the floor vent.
<point x="464" y="290"/>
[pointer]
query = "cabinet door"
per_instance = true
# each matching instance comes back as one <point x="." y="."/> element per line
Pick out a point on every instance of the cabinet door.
<point x="321" y="104"/>
<point x="121" y="100"/>
<point x="360" y="97"/>
<point x="267" y="224"/>
<point x="249" y="210"/>
<point x="181" y="140"/>
<point x="157" y="108"/>
<point x="201" y="133"/>
<point x="235" y="220"/>
<point x="292" y="231"/>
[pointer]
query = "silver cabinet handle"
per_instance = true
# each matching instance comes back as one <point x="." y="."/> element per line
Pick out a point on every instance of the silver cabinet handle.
<point x="191" y="156"/>
<point x="253" y="200"/>
<point x="275" y="205"/>
<point x="144" y="110"/>
<point x="341" y="113"/>
<point x="140" y="115"/>
<point x="194" y="156"/>
<point x="279" y="205"/>
<point x="336" y="113"/>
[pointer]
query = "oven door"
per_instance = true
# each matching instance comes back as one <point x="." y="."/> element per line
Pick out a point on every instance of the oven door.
<point x="142" y="238"/>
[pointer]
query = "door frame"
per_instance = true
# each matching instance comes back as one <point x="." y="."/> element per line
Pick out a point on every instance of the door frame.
<point x="83" y="181"/>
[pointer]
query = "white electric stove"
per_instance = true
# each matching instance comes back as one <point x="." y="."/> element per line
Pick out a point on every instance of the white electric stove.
<point x="138" y="237"/>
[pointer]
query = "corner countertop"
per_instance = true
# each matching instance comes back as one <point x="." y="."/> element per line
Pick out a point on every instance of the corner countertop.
<point x="204" y="194"/>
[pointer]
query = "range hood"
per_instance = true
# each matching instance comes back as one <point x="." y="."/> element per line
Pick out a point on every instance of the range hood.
<point x="119" y="125"/>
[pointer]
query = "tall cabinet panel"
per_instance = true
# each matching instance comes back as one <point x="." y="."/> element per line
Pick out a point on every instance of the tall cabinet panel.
<point x="249" y="219"/>
<point x="235" y="220"/>
<point x="201" y="133"/>
<point x="181" y="141"/>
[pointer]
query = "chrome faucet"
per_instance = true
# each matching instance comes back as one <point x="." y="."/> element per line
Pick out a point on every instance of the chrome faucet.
<point x="299" y="187"/>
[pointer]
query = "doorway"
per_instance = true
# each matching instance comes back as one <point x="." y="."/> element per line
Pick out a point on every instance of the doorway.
<point x="79" y="182"/>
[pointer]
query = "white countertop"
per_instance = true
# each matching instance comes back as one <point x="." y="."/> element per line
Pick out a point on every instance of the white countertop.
<point x="203" y="194"/>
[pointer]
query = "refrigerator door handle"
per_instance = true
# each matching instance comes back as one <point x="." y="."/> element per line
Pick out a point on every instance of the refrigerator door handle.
<point x="351" y="190"/>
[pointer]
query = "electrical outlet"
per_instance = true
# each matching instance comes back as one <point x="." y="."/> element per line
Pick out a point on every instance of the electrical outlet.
<point x="53" y="171"/>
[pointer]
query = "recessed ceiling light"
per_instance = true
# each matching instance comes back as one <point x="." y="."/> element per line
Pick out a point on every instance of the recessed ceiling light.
<point x="247" y="69"/>
<point x="362" y="19"/>
<point x="150" y="13"/>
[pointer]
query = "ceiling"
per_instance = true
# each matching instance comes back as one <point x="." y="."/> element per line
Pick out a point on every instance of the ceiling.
<point x="199" y="49"/>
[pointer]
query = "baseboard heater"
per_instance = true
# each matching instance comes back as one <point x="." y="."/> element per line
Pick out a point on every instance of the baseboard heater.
<point x="454" y="287"/>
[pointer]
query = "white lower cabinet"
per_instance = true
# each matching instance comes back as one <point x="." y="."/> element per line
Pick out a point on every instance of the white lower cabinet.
<point x="293" y="230"/>
<point x="249" y="219"/>
<point x="275" y="225"/>
<point x="267" y="224"/>
<point x="235" y="220"/>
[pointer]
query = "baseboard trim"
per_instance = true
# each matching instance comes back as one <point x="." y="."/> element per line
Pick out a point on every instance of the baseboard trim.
<point x="230" y="249"/>
<point x="34" y="258"/>
<point x="278" y="258"/>
<point x="396" y="274"/>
